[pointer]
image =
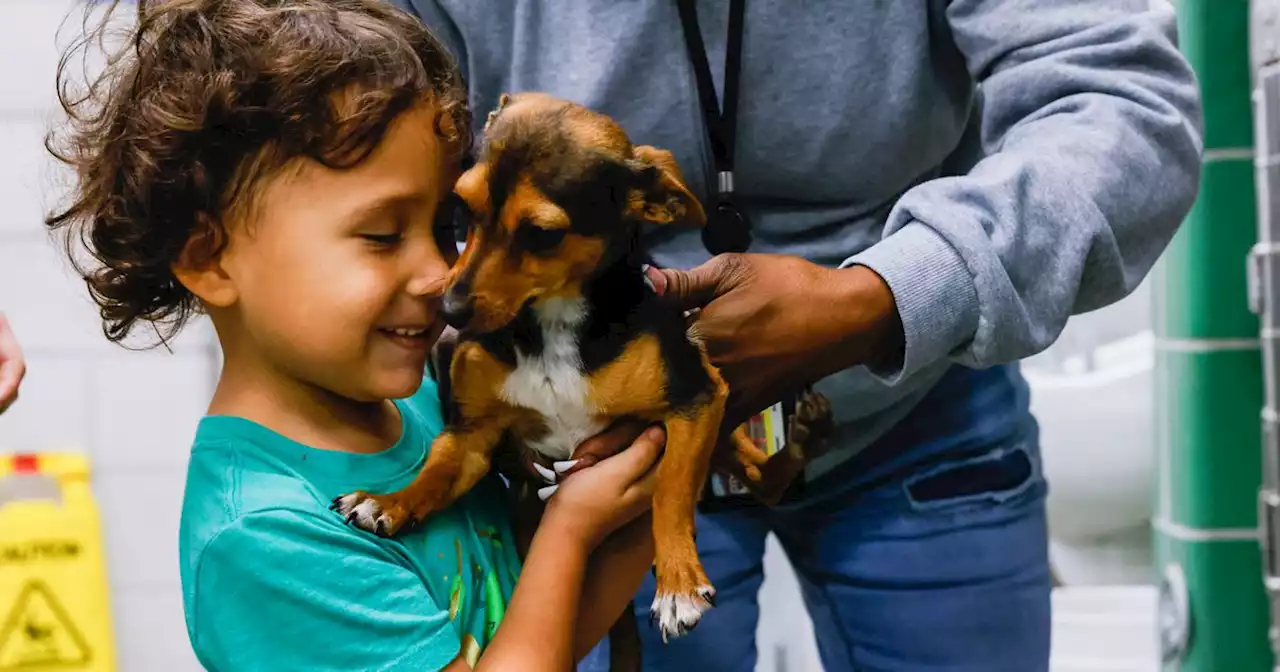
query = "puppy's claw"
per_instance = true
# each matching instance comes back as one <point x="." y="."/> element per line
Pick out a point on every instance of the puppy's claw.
<point x="564" y="466"/>
<point x="366" y="513"/>
<point x="709" y="594"/>
<point x="547" y="475"/>
<point x="545" y="493"/>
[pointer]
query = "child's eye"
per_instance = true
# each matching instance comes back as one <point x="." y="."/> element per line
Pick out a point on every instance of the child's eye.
<point x="384" y="239"/>
<point x="537" y="240"/>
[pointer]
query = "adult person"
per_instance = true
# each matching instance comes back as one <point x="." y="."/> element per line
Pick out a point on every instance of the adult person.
<point x="13" y="366"/>
<point x="931" y="189"/>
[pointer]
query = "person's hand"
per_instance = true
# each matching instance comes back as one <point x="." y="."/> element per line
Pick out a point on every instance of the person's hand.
<point x="774" y="323"/>
<point x="593" y="502"/>
<point x="608" y="443"/>
<point x="532" y="483"/>
<point x="12" y="365"/>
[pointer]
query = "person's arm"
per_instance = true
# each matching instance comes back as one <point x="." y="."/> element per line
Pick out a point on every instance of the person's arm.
<point x="537" y="632"/>
<point x="551" y="611"/>
<point x="617" y="567"/>
<point x="1091" y="122"/>
<point x="1090" y="125"/>
<point x="614" y="574"/>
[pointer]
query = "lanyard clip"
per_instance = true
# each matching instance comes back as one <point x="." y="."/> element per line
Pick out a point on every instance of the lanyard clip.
<point x="724" y="181"/>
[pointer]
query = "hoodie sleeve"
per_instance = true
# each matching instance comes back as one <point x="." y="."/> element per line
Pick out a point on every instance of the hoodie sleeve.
<point x="1091" y="139"/>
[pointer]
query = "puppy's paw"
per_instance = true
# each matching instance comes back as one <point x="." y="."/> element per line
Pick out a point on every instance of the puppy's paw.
<point x="377" y="514"/>
<point x="814" y="410"/>
<point x="676" y="614"/>
<point x="811" y="425"/>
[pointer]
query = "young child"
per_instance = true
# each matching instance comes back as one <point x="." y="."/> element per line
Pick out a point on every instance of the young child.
<point x="280" y="165"/>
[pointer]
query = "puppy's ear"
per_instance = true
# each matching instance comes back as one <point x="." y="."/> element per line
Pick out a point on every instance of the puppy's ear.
<point x="662" y="197"/>
<point x="502" y="102"/>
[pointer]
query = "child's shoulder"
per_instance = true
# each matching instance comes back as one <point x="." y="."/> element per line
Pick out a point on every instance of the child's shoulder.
<point x="238" y="487"/>
<point x="240" y="471"/>
<point x="259" y="542"/>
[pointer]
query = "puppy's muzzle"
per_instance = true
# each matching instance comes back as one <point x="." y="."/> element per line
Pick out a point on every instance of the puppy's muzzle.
<point x="459" y="306"/>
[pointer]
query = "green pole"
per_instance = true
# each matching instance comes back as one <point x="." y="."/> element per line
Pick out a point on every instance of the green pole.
<point x="1208" y="383"/>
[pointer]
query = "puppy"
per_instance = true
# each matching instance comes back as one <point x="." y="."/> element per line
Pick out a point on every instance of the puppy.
<point x="559" y="334"/>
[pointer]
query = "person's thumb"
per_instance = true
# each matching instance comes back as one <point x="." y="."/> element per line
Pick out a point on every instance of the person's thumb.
<point x="641" y="455"/>
<point x="689" y="289"/>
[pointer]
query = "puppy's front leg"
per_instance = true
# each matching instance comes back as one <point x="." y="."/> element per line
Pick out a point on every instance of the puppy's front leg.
<point x="457" y="461"/>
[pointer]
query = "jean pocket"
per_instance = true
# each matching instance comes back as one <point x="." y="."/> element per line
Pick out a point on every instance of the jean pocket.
<point x="992" y="478"/>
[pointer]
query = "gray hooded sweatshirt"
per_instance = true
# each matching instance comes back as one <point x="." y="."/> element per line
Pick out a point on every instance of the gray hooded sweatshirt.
<point x="1003" y="164"/>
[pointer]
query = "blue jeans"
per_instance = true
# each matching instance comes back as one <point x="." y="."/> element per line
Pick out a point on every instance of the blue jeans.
<point x="928" y="551"/>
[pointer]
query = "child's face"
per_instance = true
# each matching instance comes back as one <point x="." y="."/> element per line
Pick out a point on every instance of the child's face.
<point x="337" y="280"/>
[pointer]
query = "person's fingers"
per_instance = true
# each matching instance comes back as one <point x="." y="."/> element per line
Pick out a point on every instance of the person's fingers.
<point x="612" y="440"/>
<point x="695" y="287"/>
<point x="632" y="463"/>
<point x="606" y="444"/>
<point x="645" y="486"/>
<point x="12" y="365"/>
<point x="653" y="442"/>
<point x="6" y="402"/>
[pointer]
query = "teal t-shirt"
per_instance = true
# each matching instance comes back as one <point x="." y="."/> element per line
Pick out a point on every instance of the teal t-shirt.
<point x="274" y="580"/>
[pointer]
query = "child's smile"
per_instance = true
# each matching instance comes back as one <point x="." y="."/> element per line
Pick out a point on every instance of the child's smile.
<point x="413" y="339"/>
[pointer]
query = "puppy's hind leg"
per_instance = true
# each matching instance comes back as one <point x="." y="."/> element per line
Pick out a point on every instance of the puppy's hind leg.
<point x="808" y="433"/>
<point x="683" y="590"/>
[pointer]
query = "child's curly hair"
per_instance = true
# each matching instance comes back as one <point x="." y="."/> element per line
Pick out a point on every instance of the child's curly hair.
<point x="206" y="99"/>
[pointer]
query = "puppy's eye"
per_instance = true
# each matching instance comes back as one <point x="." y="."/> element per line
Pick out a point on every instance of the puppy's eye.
<point x="537" y="240"/>
<point x="453" y="220"/>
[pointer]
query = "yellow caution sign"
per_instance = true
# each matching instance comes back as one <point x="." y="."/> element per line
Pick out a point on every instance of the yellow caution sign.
<point x="55" y="612"/>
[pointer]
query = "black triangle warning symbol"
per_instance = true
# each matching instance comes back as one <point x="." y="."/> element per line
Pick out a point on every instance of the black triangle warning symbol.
<point x="38" y="634"/>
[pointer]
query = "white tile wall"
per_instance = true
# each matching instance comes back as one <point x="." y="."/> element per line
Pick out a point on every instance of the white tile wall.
<point x="132" y="413"/>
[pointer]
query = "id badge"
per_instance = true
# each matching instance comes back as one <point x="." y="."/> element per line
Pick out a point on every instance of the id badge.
<point x="769" y="431"/>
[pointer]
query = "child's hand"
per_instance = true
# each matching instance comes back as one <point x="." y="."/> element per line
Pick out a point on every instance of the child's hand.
<point x="593" y="502"/>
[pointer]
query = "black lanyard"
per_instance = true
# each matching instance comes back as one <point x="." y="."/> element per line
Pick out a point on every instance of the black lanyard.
<point x="727" y="229"/>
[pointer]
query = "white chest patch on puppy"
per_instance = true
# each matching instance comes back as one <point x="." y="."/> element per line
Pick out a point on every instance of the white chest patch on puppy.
<point x="552" y="382"/>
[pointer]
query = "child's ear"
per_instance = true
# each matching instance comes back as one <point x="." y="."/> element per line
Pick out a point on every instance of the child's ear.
<point x="663" y="197"/>
<point x="199" y="266"/>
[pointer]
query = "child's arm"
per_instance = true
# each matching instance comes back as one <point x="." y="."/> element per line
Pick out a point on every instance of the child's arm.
<point x="546" y="614"/>
<point x="618" y="565"/>
<point x="616" y="570"/>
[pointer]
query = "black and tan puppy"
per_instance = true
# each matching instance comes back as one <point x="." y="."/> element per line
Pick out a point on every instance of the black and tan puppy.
<point x="559" y="335"/>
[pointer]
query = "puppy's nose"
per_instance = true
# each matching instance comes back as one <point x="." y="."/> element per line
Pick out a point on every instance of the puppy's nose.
<point x="458" y="306"/>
